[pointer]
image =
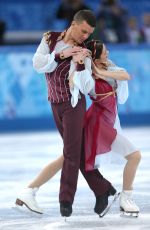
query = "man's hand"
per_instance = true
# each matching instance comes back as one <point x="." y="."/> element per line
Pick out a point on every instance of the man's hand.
<point x="81" y="55"/>
<point x="71" y="51"/>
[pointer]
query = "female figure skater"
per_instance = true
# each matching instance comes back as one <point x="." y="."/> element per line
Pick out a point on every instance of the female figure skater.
<point x="102" y="117"/>
<point x="102" y="121"/>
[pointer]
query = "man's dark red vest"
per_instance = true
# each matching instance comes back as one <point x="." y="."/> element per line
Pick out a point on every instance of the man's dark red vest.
<point x="57" y="81"/>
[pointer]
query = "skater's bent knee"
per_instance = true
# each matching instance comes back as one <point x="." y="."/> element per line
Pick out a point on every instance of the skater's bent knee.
<point x="135" y="156"/>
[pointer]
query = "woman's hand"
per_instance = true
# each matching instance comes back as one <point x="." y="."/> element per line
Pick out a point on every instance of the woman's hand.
<point x="97" y="73"/>
<point x="98" y="76"/>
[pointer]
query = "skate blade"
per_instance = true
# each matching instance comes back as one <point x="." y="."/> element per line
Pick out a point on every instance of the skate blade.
<point x="116" y="195"/>
<point x="65" y="219"/>
<point x="129" y="214"/>
<point x="20" y="203"/>
<point x="24" y="210"/>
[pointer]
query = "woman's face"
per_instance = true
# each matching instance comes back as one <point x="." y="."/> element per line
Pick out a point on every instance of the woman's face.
<point x="104" y="55"/>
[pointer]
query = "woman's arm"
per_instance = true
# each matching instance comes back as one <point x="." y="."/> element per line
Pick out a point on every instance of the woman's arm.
<point x="117" y="75"/>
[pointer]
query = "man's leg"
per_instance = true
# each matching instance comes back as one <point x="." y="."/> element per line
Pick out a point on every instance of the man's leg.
<point x="101" y="187"/>
<point x="70" y="124"/>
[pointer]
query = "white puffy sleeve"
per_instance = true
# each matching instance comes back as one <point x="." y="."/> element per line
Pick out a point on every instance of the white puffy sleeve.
<point x="82" y="81"/>
<point x="122" y="91"/>
<point x="43" y="61"/>
<point x="122" y="86"/>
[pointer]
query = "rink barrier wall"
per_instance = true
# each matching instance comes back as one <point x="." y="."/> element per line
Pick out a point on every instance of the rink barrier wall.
<point x="48" y="124"/>
<point x="23" y="92"/>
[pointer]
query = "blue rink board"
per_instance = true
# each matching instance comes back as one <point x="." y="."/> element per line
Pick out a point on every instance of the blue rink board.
<point x="23" y="92"/>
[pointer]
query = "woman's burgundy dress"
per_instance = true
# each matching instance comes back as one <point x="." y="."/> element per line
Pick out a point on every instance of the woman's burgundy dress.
<point x="99" y="124"/>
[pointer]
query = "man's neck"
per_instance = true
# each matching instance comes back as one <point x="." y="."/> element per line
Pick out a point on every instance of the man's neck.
<point x="68" y="38"/>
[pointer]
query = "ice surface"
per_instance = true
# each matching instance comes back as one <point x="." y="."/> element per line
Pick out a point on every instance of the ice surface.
<point x="23" y="155"/>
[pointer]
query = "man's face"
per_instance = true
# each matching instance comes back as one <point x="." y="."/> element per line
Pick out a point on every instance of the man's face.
<point x="81" y="31"/>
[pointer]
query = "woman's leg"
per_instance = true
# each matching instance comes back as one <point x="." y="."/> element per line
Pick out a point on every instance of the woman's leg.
<point x="47" y="173"/>
<point x="126" y="202"/>
<point x="122" y="145"/>
<point x="130" y="168"/>
<point x="27" y="196"/>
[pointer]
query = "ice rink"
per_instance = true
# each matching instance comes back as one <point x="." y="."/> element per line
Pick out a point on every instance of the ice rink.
<point x="23" y="155"/>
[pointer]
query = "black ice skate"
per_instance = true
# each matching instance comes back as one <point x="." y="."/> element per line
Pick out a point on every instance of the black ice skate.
<point x="109" y="205"/>
<point x="101" y="206"/>
<point x="65" y="208"/>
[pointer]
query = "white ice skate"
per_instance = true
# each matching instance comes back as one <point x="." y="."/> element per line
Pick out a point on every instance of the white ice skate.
<point x="127" y="205"/>
<point x="27" y="197"/>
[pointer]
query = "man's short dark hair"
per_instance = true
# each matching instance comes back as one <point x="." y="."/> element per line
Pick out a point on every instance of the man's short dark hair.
<point x="85" y="15"/>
